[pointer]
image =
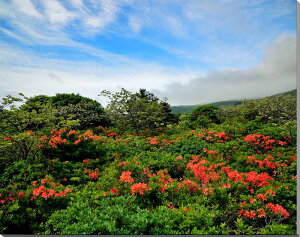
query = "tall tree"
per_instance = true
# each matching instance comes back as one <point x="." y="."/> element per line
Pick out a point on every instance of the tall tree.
<point x="89" y="113"/>
<point x="136" y="111"/>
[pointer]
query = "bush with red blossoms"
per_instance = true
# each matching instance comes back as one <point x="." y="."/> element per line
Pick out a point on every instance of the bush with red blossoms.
<point x="229" y="178"/>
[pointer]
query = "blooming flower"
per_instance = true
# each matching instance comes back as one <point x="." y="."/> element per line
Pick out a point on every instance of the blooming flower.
<point x="94" y="175"/>
<point x="139" y="187"/>
<point x="153" y="141"/>
<point x="278" y="209"/>
<point x="8" y="139"/>
<point x="163" y="188"/>
<point x="126" y="177"/>
<point x="122" y="163"/>
<point x="72" y="132"/>
<point x="261" y="213"/>
<point x="262" y="196"/>
<point x="113" y="190"/>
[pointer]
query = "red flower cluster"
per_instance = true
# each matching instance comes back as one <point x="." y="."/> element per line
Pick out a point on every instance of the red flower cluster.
<point x="262" y="196"/>
<point x="154" y="141"/>
<point x="56" y="139"/>
<point x="92" y="173"/>
<point x="190" y="185"/>
<point x="139" y="187"/>
<point x="226" y="185"/>
<point x="126" y="177"/>
<point x="164" y="177"/>
<point x="10" y="198"/>
<point x="8" y="139"/>
<point x="278" y="209"/>
<point x="163" y="188"/>
<point x="222" y="137"/>
<point x="147" y="172"/>
<point x="122" y="163"/>
<point x="266" y="162"/>
<point x="113" y="134"/>
<point x="233" y="174"/>
<point x="87" y="135"/>
<point x="262" y="141"/>
<point x="251" y="214"/>
<point x="213" y="153"/>
<point x="259" y="180"/>
<point x="202" y="173"/>
<point x="72" y="132"/>
<point x="45" y="192"/>
<point x="256" y="138"/>
<point x="114" y="190"/>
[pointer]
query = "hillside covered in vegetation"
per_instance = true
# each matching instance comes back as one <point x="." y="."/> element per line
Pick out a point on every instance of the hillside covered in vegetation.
<point x="70" y="166"/>
<point x="188" y="108"/>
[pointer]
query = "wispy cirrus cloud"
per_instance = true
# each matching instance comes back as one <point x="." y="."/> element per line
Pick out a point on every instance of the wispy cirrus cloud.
<point x="125" y="43"/>
<point x="23" y="71"/>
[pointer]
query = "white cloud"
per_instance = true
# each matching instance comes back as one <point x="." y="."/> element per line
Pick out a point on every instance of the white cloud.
<point x="36" y="75"/>
<point x="57" y="13"/>
<point x="33" y="75"/>
<point x="275" y="73"/>
<point x="26" y="7"/>
<point x="59" y="23"/>
<point x="135" y="24"/>
<point x="76" y="3"/>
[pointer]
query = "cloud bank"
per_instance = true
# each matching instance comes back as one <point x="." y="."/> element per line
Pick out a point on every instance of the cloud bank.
<point x="274" y="74"/>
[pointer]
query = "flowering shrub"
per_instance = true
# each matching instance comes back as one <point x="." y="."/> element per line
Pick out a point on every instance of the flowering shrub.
<point x="194" y="182"/>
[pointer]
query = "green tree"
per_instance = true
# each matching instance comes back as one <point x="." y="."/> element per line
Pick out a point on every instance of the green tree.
<point x="21" y="125"/>
<point x="166" y="107"/>
<point x="205" y="114"/>
<point x="136" y="111"/>
<point x="279" y="109"/>
<point x="89" y="113"/>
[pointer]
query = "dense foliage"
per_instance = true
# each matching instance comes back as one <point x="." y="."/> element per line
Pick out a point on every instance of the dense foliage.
<point x="89" y="113"/>
<point x="227" y="176"/>
<point x="137" y="111"/>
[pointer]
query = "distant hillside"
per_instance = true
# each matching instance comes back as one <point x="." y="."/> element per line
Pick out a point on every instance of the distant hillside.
<point x="188" y="108"/>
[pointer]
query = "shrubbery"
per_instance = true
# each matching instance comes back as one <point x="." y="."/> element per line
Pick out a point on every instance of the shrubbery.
<point x="234" y="177"/>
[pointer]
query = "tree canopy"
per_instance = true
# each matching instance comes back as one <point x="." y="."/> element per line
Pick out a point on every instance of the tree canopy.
<point x="137" y="111"/>
<point x="89" y="113"/>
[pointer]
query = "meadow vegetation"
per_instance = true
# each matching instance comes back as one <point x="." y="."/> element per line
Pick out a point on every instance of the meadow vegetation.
<point x="70" y="166"/>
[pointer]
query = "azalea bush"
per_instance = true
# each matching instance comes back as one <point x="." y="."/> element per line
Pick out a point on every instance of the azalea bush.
<point x="228" y="178"/>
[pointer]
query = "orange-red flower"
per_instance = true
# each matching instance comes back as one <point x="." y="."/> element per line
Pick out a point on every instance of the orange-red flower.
<point x="94" y="175"/>
<point x="261" y="213"/>
<point x="278" y="209"/>
<point x="72" y="132"/>
<point x="126" y="177"/>
<point x="262" y="196"/>
<point x="163" y="188"/>
<point x="113" y="190"/>
<point x="139" y="187"/>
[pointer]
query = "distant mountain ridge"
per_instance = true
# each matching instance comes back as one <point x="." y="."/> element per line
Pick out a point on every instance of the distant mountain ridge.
<point x="188" y="108"/>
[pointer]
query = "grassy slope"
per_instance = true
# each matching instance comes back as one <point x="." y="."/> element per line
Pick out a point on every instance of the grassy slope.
<point x="189" y="108"/>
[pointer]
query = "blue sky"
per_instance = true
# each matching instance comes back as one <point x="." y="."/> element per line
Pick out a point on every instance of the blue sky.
<point x="192" y="51"/>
